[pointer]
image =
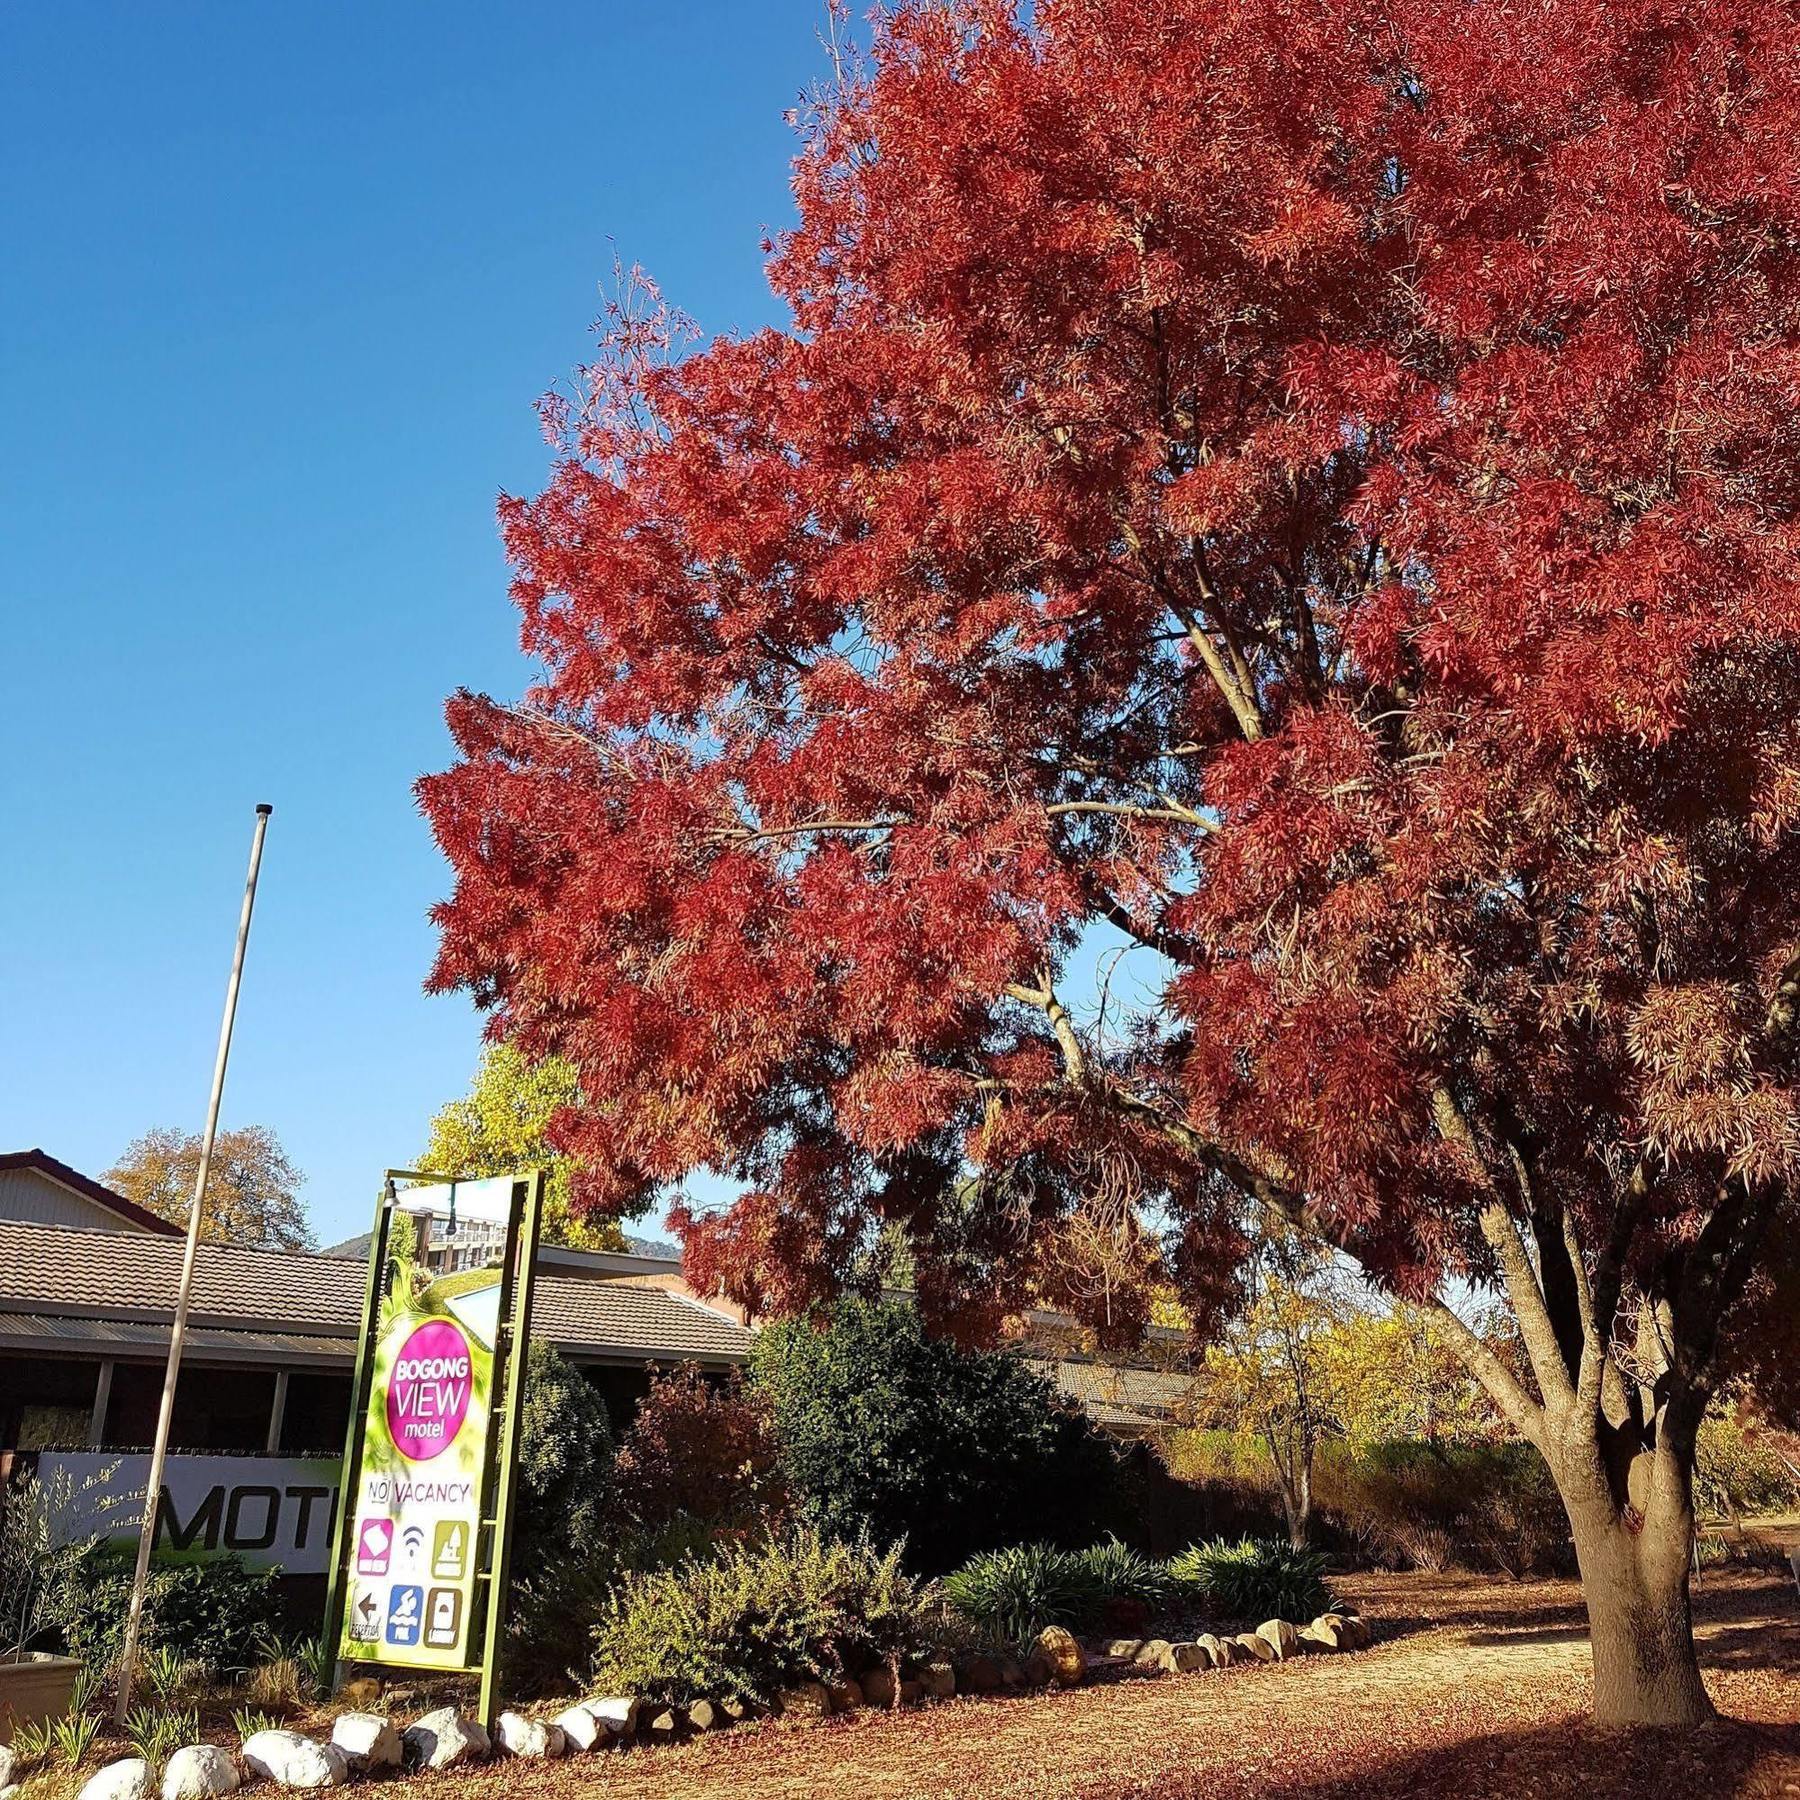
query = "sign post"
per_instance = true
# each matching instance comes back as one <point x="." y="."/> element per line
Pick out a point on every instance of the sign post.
<point x="424" y="1528"/>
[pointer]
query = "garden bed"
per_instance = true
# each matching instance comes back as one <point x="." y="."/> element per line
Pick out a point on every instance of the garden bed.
<point x="1474" y="1688"/>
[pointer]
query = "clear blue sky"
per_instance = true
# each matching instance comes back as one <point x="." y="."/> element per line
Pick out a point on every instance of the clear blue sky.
<point x="278" y="287"/>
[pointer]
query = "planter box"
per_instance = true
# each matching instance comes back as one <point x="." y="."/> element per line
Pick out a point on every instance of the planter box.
<point x="34" y="1687"/>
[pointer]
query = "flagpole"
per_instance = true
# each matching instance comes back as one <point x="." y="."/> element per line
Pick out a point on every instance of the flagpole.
<point x="178" y="1331"/>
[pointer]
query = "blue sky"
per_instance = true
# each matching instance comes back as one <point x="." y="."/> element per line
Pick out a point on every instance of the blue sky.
<point x="279" y="286"/>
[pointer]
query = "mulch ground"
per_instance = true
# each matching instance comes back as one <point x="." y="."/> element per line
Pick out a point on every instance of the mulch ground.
<point x="1472" y="1688"/>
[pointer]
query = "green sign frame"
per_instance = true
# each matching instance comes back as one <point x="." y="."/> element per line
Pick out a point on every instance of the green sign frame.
<point x="422" y="1552"/>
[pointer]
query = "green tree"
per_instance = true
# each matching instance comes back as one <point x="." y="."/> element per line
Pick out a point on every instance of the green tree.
<point x="562" y="1558"/>
<point x="886" y="1429"/>
<point x="252" y="1188"/>
<point x="565" y="1461"/>
<point x="500" y="1126"/>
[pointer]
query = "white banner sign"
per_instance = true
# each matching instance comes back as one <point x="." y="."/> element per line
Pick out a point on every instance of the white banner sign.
<point x="488" y="1200"/>
<point x="266" y="1509"/>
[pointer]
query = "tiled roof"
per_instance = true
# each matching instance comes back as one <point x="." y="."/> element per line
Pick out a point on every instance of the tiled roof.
<point x="46" y="1271"/>
<point x="1119" y="1395"/>
<point x="45" y="1164"/>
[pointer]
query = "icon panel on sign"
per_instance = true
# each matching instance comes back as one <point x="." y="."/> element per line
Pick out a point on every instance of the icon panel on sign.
<point x="450" y="1550"/>
<point x="374" y="1545"/>
<point x="444" y="1618"/>
<point x="412" y="1546"/>
<point x="365" y="1614"/>
<point x="405" y="1609"/>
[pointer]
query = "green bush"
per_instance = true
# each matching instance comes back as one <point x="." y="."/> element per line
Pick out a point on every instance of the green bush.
<point x="1119" y="1572"/>
<point x="1256" y="1578"/>
<point x="215" y="1612"/>
<point x="33" y="1565"/>
<point x="953" y="1450"/>
<point x="753" y="1619"/>
<point x="1011" y="1594"/>
<point x="562" y="1562"/>
<point x="565" y="1460"/>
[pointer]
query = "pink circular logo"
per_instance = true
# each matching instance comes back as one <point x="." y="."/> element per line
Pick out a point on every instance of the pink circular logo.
<point x="428" y="1390"/>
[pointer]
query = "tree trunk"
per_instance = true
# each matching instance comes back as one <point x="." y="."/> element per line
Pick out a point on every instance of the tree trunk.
<point x="1293" y="1479"/>
<point x="1640" y="1625"/>
<point x="1300" y="1520"/>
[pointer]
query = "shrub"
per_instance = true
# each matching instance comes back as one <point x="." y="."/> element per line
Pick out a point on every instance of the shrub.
<point x="156" y="1733"/>
<point x="562" y="1548"/>
<point x="1119" y="1572"/>
<point x="1011" y="1594"/>
<point x="562" y="1556"/>
<point x="34" y="1568"/>
<point x="565" y="1461"/>
<point x="699" y="1452"/>
<point x="1436" y="1506"/>
<point x="247" y="1721"/>
<point x="752" y="1619"/>
<point x="281" y="1682"/>
<point x="953" y="1450"/>
<point x="550" y="1622"/>
<point x="216" y="1612"/>
<point x="1407" y="1503"/>
<point x="1256" y="1578"/>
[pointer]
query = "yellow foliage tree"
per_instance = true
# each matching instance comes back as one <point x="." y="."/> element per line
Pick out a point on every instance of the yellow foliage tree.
<point x="1309" y="1359"/>
<point x="1276" y="1375"/>
<point x="252" y="1187"/>
<point x="499" y="1126"/>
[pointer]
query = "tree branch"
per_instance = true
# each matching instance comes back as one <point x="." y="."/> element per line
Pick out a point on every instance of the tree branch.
<point x="1523" y="1413"/>
<point x="1502" y="1233"/>
<point x="754" y="834"/>
<point x="1127" y="809"/>
<point x="1061" y="1025"/>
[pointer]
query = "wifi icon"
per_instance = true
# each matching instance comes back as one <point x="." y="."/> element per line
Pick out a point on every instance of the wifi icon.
<point x="412" y="1544"/>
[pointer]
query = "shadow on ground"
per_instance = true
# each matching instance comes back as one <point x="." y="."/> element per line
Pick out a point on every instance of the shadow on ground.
<point x="1727" y="1758"/>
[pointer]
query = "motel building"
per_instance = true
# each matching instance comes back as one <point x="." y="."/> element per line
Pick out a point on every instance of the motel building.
<point x="87" y="1292"/>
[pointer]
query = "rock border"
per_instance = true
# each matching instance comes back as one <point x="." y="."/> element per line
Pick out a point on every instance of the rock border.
<point x="364" y="1744"/>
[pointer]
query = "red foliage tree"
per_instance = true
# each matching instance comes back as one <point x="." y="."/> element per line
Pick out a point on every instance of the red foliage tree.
<point x="1312" y="486"/>
<point x="698" y="1452"/>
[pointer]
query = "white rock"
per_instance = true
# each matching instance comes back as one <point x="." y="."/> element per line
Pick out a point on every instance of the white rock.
<point x="1280" y="1636"/>
<point x="292" y="1761"/>
<point x="199" y="1771"/>
<point x="8" y="1762"/>
<point x="128" y="1779"/>
<point x="581" y="1730"/>
<point x="11" y="1792"/>
<point x="443" y="1739"/>
<point x="366" y="1741"/>
<point x="619" y="1715"/>
<point x="517" y="1735"/>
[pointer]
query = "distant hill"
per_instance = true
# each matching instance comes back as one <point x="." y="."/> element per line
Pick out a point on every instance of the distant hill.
<point x="651" y="1247"/>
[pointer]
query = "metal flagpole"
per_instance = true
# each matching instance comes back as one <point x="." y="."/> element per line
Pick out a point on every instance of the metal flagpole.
<point x="160" y="1450"/>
